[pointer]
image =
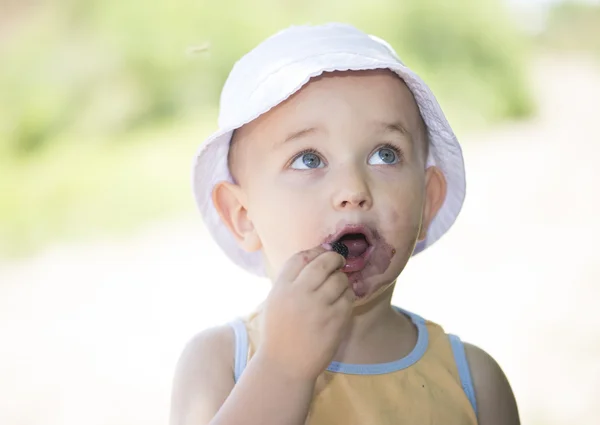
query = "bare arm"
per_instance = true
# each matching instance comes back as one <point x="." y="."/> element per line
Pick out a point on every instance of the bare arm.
<point x="304" y="318"/>
<point x="496" y="403"/>
<point x="266" y="396"/>
<point x="204" y="377"/>
<point x="204" y="391"/>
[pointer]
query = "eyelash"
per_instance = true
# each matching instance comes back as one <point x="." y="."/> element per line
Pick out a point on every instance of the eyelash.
<point x="304" y="152"/>
<point x="394" y="148"/>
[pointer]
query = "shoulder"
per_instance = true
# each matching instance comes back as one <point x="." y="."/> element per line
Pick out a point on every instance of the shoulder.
<point x="213" y="343"/>
<point x="496" y="403"/>
<point x="203" y="377"/>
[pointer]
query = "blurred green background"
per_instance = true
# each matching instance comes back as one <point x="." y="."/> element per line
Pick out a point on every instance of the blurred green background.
<point x="102" y="105"/>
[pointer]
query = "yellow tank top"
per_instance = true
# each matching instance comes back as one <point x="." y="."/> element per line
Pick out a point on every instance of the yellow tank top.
<point x="432" y="385"/>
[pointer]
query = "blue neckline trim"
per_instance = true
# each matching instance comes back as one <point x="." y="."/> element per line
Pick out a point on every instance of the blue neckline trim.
<point x="382" y="368"/>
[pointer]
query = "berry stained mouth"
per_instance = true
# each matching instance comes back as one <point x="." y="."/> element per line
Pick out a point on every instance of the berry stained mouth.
<point x="355" y="248"/>
<point x="366" y="252"/>
<point x="355" y="242"/>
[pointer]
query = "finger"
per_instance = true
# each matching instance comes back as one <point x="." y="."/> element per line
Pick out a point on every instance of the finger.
<point x="319" y="269"/>
<point x="349" y="296"/>
<point x="334" y="287"/>
<point x="346" y="299"/>
<point x="294" y="265"/>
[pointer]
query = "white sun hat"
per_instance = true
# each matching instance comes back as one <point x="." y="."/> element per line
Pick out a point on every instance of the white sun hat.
<point x="278" y="68"/>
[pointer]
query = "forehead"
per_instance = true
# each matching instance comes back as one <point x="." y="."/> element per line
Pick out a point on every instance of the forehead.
<point x="333" y="100"/>
<point x="378" y="93"/>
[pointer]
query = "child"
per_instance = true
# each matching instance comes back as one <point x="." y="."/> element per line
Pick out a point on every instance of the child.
<point x="333" y="165"/>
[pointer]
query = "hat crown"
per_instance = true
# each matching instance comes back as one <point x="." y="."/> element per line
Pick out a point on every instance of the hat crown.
<point x="257" y="76"/>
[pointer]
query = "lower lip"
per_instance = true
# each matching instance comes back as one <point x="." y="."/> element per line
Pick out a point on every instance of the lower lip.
<point x="355" y="264"/>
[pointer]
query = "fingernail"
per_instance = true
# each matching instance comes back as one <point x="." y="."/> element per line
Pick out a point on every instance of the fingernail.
<point x="327" y="246"/>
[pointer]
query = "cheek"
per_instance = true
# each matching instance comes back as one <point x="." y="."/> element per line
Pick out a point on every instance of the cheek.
<point x="400" y="221"/>
<point x="401" y="218"/>
<point x="286" y="222"/>
<point x="401" y="208"/>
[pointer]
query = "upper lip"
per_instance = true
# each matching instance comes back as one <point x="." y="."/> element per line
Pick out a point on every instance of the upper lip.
<point x="351" y="229"/>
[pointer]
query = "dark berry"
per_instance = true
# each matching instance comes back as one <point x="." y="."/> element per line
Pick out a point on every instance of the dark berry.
<point x="340" y="248"/>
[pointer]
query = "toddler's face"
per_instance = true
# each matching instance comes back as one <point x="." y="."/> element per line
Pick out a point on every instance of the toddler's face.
<point x="342" y="159"/>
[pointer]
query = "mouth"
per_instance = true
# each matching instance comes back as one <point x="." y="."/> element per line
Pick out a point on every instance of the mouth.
<point x="359" y="241"/>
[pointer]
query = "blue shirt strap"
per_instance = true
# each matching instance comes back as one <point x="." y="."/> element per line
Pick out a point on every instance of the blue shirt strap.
<point x="463" y="369"/>
<point x="241" y="347"/>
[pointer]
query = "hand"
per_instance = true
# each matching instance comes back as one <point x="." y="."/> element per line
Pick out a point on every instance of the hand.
<point x="306" y="313"/>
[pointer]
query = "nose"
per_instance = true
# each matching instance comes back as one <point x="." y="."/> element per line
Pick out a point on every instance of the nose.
<point x="352" y="193"/>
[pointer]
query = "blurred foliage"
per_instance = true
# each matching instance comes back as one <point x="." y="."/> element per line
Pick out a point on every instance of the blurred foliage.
<point x="104" y="66"/>
<point x="80" y="79"/>
<point x="78" y="191"/>
<point x="573" y="26"/>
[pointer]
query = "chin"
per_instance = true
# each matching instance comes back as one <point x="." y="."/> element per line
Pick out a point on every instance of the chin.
<point x="372" y="288"/>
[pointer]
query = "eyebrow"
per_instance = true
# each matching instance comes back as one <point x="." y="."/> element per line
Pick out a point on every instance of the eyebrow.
<point x="386" y="127"/>
<point x="300" y="134"/>
<point x="394" y="127"/>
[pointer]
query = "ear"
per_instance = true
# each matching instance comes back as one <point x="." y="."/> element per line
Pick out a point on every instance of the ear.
<point x="435" y="194"/>
<point x="230" y="202"/>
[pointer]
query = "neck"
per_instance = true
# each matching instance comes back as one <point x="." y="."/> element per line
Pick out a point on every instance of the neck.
<point x="377" y="333"/>
<point x="367" y="317"/>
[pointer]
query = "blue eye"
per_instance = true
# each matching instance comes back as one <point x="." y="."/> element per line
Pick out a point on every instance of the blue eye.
<point x="384" y="156"/>
<point x="307" y="161"/>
